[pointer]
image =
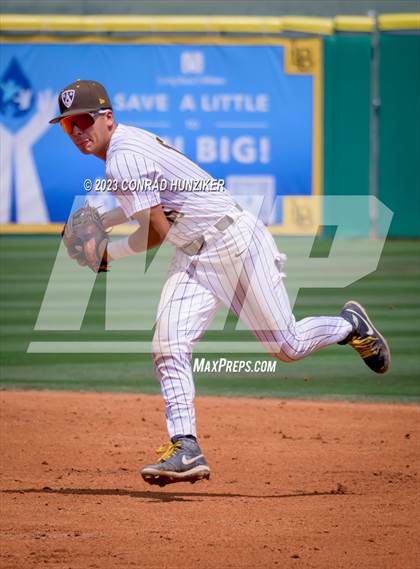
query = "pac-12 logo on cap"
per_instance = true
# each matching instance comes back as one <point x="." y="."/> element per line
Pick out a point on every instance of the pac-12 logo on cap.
<point x="67" y="97"/>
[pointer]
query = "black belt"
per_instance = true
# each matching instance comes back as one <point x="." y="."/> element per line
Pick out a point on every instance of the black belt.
<point x="221" y="225"/>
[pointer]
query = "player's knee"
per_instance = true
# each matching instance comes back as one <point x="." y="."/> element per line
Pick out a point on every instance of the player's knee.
<point x="279" y="349"/>
<point x="282" y="356"/>
<point x="291" y="353"/>
<point x="289" y="350"/>
<point x="164" y="347"/>
<point x="160" y="348"/>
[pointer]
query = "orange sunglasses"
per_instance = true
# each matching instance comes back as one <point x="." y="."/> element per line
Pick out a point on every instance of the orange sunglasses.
<point x="81" y="121"/>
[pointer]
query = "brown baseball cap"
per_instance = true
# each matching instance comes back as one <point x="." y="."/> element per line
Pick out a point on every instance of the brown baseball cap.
<point x="82" y="96"/>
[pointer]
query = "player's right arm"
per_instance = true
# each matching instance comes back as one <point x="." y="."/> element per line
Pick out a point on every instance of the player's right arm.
<point x="115" y="216"/>
<point x="152" y="231"/>
<point x="143" y="205"/>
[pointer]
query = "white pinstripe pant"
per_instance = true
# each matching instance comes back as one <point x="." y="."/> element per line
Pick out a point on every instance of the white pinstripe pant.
<point x="241" y="268"/>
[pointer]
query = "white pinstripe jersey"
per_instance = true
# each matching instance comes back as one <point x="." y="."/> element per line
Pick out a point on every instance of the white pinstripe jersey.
<point x="136" y="154"/>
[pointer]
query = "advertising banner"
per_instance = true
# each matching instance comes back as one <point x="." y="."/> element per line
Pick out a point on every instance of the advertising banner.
<point x="248" y="113"/>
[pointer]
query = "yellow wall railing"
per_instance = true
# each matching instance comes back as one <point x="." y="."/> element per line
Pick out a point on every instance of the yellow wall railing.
<point x="216" y="24"/>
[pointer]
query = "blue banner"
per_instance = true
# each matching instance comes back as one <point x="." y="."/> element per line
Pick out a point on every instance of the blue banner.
<point x="235" y="109"/>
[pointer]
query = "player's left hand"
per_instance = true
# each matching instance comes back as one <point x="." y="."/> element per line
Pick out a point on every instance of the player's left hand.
<point x="86" y="240"/>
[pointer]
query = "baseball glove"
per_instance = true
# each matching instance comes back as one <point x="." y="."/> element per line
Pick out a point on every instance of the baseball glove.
<point x="86" y="240"/>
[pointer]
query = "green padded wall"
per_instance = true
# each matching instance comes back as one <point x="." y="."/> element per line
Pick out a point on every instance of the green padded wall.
<point x="346" y="117"/>
<point x="346" y="114"/>
<point x="399" y="131"/>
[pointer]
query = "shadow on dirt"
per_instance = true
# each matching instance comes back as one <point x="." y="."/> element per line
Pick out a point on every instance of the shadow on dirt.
<point x="163" y="496"/>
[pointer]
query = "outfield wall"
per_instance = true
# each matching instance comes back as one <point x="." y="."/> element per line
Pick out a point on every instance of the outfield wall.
<point x="303" y="129"/>
<point x="399" y="131"/>
<point x="347" y="110"/>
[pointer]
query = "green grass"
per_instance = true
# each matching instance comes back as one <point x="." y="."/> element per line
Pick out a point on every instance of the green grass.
<point x="392" y="295"/>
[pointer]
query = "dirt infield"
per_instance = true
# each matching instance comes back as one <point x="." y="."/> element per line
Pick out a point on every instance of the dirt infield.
<point x="293" y="485"/>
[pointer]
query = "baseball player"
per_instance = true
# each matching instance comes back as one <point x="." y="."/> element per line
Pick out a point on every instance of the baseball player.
<point x="223" y="254"/>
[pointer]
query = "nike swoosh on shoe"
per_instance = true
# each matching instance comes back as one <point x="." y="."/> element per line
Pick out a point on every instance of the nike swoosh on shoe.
<point x="188" y="461"/>
<point x="370" y="330"/>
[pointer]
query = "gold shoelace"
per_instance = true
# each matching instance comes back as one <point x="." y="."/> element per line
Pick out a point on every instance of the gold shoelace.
<point x="366" y="347"/>
<point x="168" y="450"/>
